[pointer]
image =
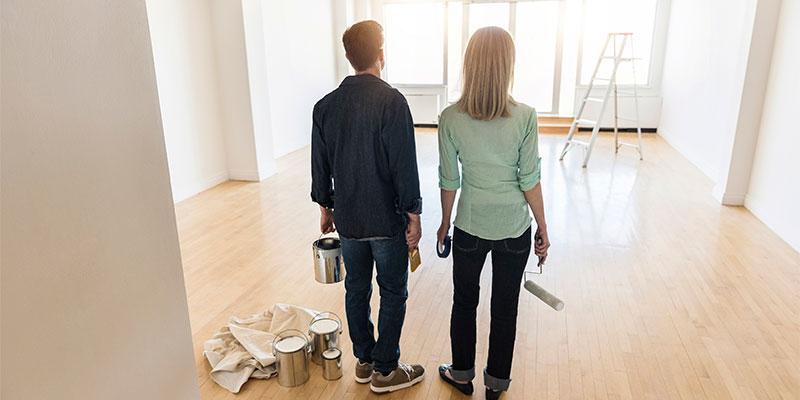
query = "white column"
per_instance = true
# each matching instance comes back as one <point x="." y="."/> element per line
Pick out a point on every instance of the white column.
<point x="734" y="182"/>
<point x="242" y="83"/>
<point x="94" y="304"/>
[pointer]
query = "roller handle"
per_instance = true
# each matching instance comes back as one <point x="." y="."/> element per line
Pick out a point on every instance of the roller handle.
<point x="544" y="295"/>
<point x="443" y="249"/>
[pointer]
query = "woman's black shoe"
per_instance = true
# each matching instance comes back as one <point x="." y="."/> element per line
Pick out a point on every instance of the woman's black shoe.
<point x="492" y="395"/>
<point x="465" y="388"/>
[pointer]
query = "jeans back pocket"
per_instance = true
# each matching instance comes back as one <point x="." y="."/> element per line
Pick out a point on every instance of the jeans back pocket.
<point x="519" y="245"/>
<point x="464" y="241"/>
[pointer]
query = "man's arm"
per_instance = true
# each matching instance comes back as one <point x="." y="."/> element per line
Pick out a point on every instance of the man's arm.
<point x="321" y="177"/>
<point x="400" y="147"/>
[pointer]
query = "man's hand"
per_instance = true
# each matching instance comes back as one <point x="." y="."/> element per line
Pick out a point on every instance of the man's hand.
<point x="326" y="220"/>
<point x="413" y="231"/>
<point x="541" y="244"/>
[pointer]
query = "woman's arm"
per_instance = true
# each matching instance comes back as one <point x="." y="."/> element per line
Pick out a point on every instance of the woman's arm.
<point x="448" y="198"/>
<point x="536" y="203"/>
<point x="529" y="175"/>
<point x="449" y="176"/>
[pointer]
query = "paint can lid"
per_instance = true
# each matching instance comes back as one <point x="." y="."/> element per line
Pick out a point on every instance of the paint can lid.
<point x="290" y="344"/>
<point x="324" y="326"/>
<point x="331" y="354"/>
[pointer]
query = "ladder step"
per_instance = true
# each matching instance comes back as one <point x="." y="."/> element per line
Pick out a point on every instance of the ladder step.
<point x="602" y="79"/>
<point x="620" y="144"/>
<point x="579" y="142"/>
<point x="593" y="99"/>
<point x="584" y="122"/>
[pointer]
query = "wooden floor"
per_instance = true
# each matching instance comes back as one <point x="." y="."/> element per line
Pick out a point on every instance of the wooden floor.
<point x="668" y="294"/>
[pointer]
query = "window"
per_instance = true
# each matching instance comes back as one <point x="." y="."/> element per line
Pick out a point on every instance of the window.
<point x="414" y="34"/>
<point x="604" y="16"/>
<point x="455" y="49"/>
<point x="480" y="15"/>
<point x="558" y="42"/>
<point x="488" y="14"/>
<point x="535" y="39"/>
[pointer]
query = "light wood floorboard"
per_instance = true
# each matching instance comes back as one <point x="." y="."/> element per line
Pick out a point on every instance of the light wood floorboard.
<point x="668" y="294"/>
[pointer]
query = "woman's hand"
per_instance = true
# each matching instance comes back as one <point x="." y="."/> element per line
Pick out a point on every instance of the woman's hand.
<point x="541" y="244"/>
<point x="444" y="228"/>
<point x="326" y="220"/>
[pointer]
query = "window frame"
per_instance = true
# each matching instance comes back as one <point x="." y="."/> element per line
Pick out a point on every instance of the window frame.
<point x="657" y="48"/>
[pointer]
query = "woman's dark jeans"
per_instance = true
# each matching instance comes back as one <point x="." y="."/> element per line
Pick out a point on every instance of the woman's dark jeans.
<point x="509" y="257"/>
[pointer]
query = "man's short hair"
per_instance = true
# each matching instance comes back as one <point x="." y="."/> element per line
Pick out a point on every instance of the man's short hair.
<point x="363" y="43"/>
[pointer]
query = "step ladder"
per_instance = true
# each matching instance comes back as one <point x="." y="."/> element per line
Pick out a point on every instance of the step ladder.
<point x="616" y="42"/>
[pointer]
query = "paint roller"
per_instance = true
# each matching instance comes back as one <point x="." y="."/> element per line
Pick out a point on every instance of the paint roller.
<point x="538" y="291"/>
<point x="543" y="295"/>
<point x="443" y="251"/>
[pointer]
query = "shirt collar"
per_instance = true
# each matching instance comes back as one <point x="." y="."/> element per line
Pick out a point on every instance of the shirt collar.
<point x="361" y="79"/>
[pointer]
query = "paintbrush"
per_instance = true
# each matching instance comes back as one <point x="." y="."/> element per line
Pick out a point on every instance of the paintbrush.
<point x="414" y="260"/>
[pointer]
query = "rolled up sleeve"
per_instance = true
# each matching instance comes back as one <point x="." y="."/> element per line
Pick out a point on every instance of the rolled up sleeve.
<point x="449" y="177"/>
<point x="321" y="177"/>
<point x="530" y="170"/>
<point x="400" y="146"/>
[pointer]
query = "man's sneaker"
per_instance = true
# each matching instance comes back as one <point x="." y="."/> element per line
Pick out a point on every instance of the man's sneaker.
<point x="363" y="372"/>
<point x="405" y="375"/>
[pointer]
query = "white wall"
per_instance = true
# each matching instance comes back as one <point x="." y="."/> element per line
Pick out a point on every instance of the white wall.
<point x="301" y="66"/>
<point x="259" y="81"/>
<point x="186" y="72"/>
<point x="704" y="72"/>
<point x="716" y="71"/>
<point x="775" y="179"/>
<point x="93" y="302"/>
<point x="246" y="146"/>
<point x="219" y="64"/>
<point x="343" y="14"/>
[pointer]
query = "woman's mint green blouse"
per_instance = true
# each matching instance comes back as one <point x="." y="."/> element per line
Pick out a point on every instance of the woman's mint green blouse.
<point x="499" y="161"/>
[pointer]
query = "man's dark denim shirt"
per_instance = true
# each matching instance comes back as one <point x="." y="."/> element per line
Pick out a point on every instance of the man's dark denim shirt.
<point x="363" y="145"/>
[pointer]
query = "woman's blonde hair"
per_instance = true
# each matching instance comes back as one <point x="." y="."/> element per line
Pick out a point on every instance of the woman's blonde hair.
<point x="488" y="74"/>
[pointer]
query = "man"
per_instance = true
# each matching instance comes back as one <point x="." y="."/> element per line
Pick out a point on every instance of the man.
<point x="364" y="173"/>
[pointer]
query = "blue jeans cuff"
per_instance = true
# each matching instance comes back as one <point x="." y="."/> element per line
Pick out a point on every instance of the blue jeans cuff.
<point x="466" y="375"/>
<point x="495" y="384"/>
<point x="385" y="368"/>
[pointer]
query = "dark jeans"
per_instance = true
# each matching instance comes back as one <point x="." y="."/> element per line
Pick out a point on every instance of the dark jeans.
<point x="509" y="257"/>
<point x="390" y="257"/>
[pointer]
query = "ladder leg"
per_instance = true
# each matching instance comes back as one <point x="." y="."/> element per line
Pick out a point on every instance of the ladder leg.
<point x="639" y="132"/>
<point x="636" y="106"/>
<point x="595" y="131"/>
<point x="611" y="86"/>
<point x="616" y="105"/>
<point x="616" y="122"/>
<point x="572" y="129"/>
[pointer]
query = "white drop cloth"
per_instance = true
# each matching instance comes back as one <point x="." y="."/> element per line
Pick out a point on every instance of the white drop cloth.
<point x="243" y="349"/>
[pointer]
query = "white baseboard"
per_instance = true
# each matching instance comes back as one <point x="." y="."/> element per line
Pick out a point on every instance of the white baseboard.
<point x="727" y="198"/>
<point x="183" y="193"/>
<point x="244" y="175"/>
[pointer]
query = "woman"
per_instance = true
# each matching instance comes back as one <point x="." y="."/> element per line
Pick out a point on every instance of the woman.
<point x="496" y="141"/>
